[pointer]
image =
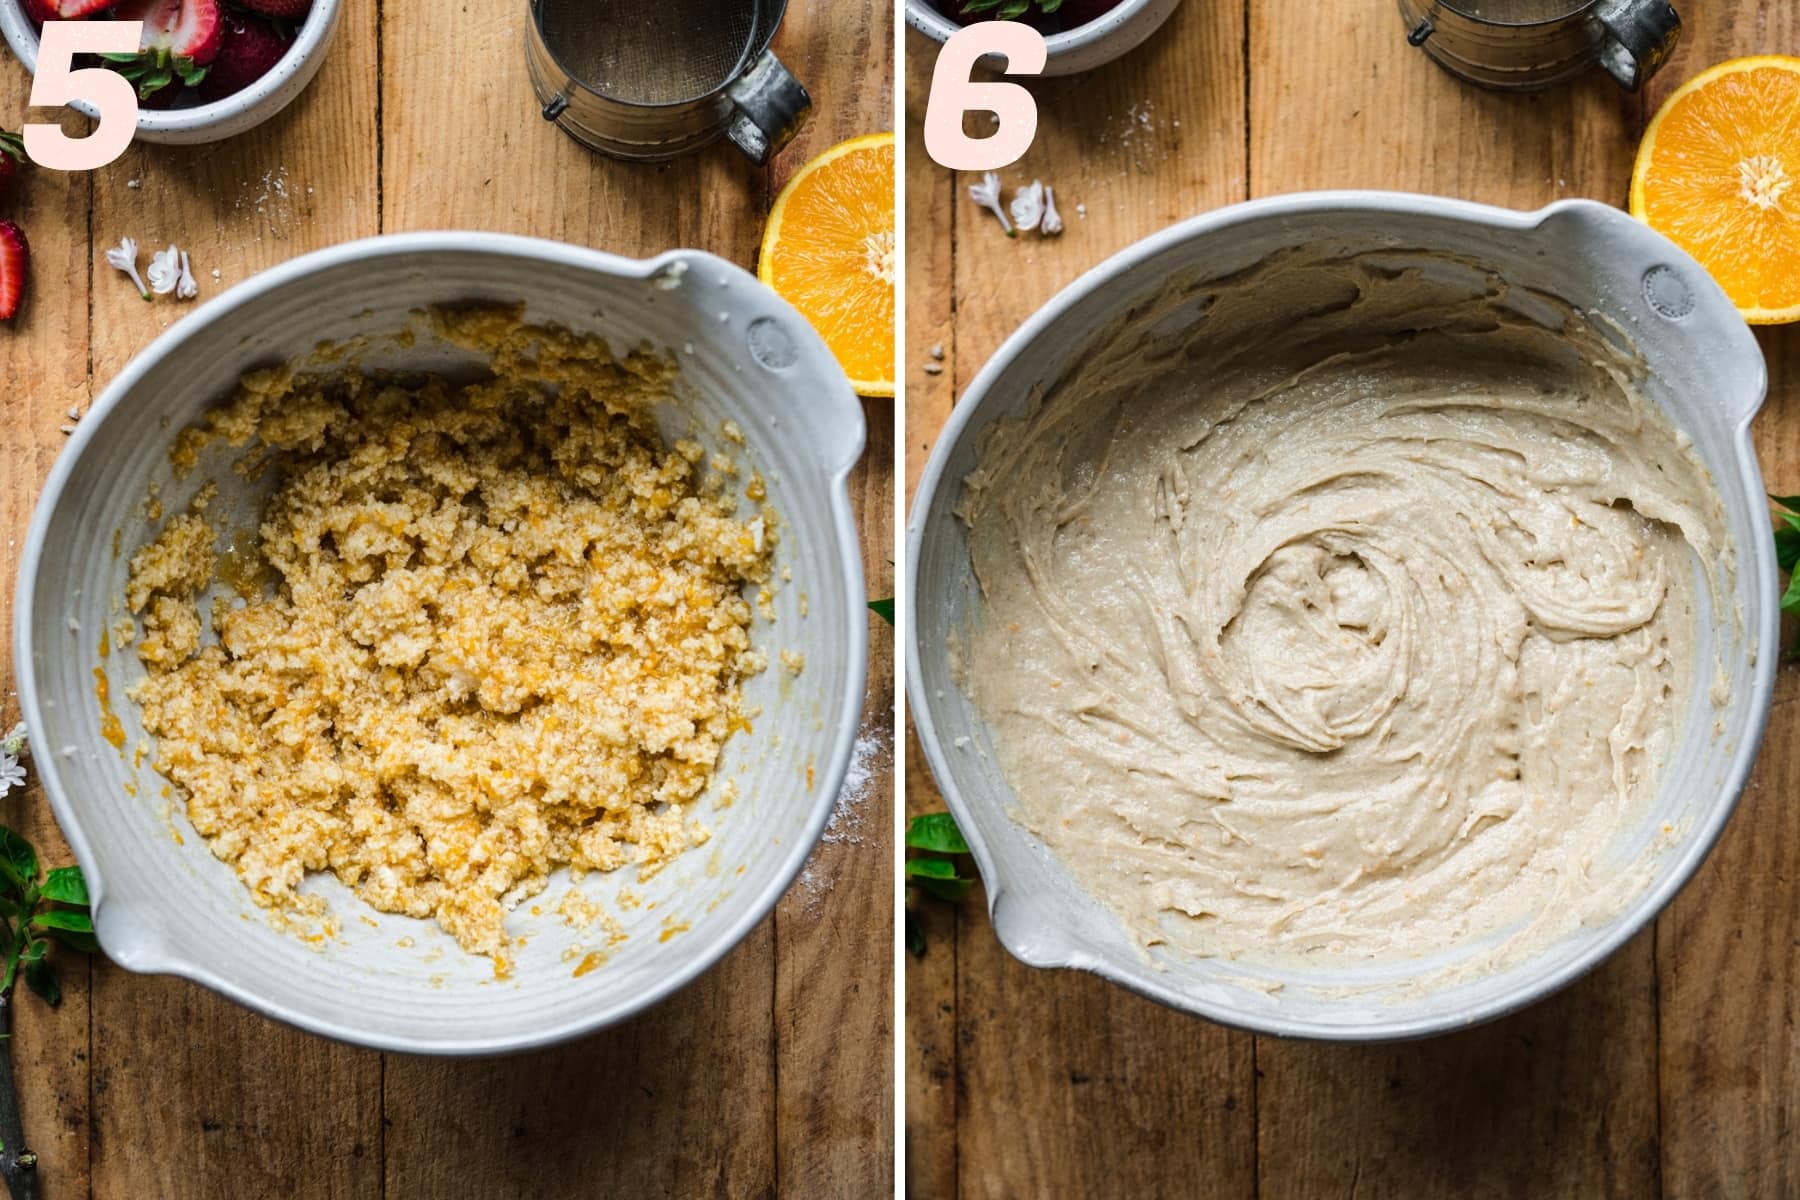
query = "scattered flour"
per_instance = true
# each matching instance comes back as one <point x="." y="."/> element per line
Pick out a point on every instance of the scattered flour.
<point x="848" y="823"/>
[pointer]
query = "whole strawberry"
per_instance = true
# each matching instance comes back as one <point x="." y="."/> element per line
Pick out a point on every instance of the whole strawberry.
<point x="281" y="10"/>
<point x="250" y="50"/>
<point x="15" y="263"/>
<point x="12" y="157"/>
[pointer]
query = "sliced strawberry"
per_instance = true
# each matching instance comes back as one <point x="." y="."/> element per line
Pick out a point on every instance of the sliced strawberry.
<point x="176" y="29"/>
<point x="12" y="157"/>
<point x="281" y="10"/>
<point x="15" y="263"/>
<point x="250" y="50"/>
<point x="42" y="10"/>
<point x="75" y="10"/>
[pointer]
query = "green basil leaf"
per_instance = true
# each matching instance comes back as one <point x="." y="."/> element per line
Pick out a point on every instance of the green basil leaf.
<point x="63" y="918"/>
<point x="883" y="609"/>
<point x="1787" y="548"/>
<point x="951" y="890"/>
<point x="17" y="854"/>
<point x="84" y="943"/>
<point x="1790" y="599"/>
<point x="936" y="832"/>
<point x="66" y="885"/>
<point x="40" y="977"/>
<point x="930" y="868"/>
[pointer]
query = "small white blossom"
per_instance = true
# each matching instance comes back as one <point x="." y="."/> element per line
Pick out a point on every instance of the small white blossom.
<point x="1051" y="225"/>
<point x="1028" y="206"/>
<point x="987" y="194"/>
<point x="165" y="271"/>
<point x="12" y="772"/>
<point x="124" y="257"/>
<point x="185" y="286"/>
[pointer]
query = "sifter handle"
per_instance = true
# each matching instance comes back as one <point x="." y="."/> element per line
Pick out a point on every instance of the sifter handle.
<point x="1640" y="35"/>
<point x="771" y="106"/>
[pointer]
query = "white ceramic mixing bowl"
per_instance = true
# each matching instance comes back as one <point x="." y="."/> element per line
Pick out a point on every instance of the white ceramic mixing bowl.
<point x="1706" y="373"/>
<point x="164" y="904"/>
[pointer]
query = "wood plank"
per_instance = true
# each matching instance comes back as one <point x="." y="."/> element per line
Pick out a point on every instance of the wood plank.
<point x="834" y="932"/>
<point x="1573" y="1079"/>
<point x="194" y="1096"/>
<point x="1728" y="966"/>
<point x="930" y="381"/>
<point x="1066" y="1085"/>
<point x="931" y="378"/>
<point x="43" y="375"/>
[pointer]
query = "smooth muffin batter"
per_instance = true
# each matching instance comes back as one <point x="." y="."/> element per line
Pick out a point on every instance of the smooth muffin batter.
<point x="504" y="630"/>
<point x="1355" y="619"/>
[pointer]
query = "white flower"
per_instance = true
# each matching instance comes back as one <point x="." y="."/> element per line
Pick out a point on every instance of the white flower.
<point x="1051" y="225"/>
<point x="124" y="257"/>
<point x="12" y="746"/>
<point x="987" y="194"/>
<point x="165" y="271"/>
<point x="1028" y="206"/>
<point x="185" y="287"/>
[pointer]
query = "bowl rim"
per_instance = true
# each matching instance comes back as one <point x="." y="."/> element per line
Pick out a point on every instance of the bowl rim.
<point x="313" y="38"/>
<point x="1695" y="846"/>
<point x="842" y="728"/>
<point x="922" y="16"/>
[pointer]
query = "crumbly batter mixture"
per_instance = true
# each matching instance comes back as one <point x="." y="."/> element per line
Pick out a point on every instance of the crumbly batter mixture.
<point x="506" y="632"/>
<point x="1356" y="619"/>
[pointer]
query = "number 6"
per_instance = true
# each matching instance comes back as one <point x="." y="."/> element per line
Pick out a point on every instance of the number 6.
<point x="953" y="93"/>
<point x="55" y="85"/>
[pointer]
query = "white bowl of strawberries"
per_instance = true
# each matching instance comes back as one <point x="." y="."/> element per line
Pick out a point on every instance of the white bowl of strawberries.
<point x="1079" y="35"/>
<point x="206" y="69"/>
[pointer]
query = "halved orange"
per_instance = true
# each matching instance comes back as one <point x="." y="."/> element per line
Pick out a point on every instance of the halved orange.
<point x="829" y="249"/>
<point x="1718" y="173"/>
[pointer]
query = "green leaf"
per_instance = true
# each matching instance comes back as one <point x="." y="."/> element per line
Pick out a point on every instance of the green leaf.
<point x="950" y="890"/>
<point x="915" y="934"/>
<point x="883" y="609"/>
<point x="1790" y="599"/>
<point x="1787" y="547"/>
<point x="936" y="832"/>
<point x="40" y="977"/>
<point x="84" y="943"/>
<point x="66" y="885"/>
<point x="64" y="918"/>
<point x="17" y="854"/>
<point x="930" y="868"/>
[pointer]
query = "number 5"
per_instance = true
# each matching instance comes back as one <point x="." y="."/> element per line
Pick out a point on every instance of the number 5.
<point x="953" y="93"/>
<point x="55" y="85"/>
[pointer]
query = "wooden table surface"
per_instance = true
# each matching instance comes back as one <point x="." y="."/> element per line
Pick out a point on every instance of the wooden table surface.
<point x="772" y="1074"/>
<point x="1673" y="1070"/>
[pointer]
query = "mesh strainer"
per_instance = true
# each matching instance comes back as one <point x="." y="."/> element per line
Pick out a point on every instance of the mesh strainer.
<point x="652" y="79"/>
<point x="1522" y="44"/>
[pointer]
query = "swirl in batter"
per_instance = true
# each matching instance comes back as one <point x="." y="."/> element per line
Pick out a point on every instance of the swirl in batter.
<point x="1356" y="619"/>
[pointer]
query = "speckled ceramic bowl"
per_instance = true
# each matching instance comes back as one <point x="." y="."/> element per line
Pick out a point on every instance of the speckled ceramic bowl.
<point x="1705" y="372"/>
<point x="1114" y="34"/>
<point x="223" y="118"/>
<point x="163" y="903"/>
